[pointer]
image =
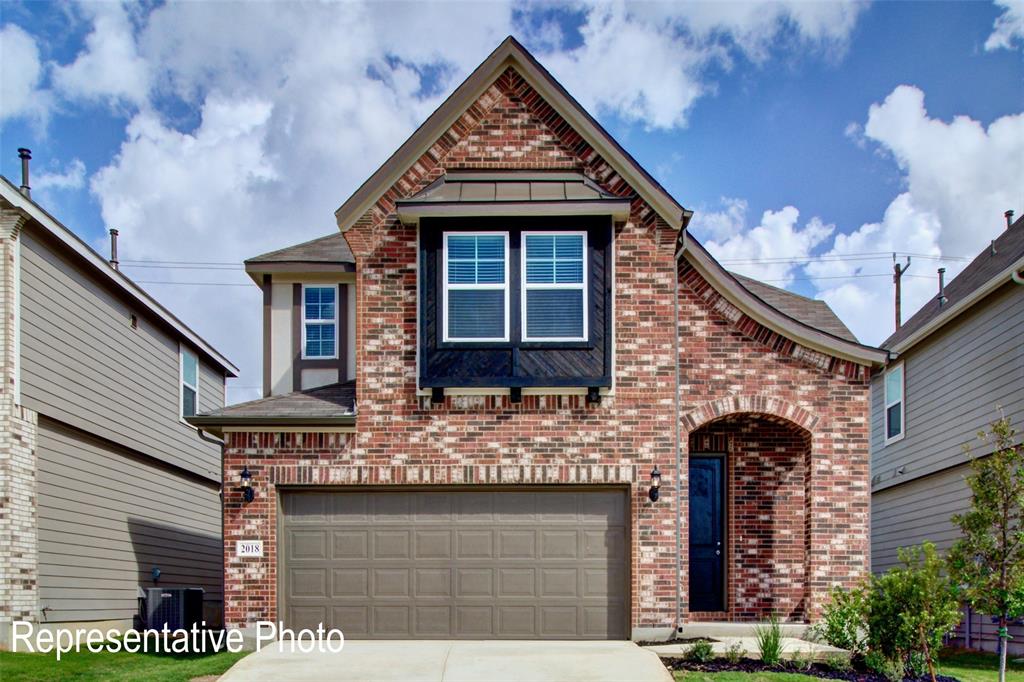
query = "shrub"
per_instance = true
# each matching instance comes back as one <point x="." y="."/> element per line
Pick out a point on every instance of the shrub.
<point x="769" y="641"/>
<point x="802" y="661"/>
<point x="838" y="663"/>
<point x="735" y="653"/>
<point x="891" y="669"/>
<point x="700" y="651"/>
<point x="844" y="620"/>
<point x="911" y="607"/>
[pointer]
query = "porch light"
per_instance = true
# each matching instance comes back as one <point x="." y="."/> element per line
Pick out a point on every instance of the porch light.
<point x="653" y="492"/>
<point x="248" y="494"/>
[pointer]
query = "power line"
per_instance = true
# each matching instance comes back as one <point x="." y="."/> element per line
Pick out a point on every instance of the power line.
<point x="195" y="284"/>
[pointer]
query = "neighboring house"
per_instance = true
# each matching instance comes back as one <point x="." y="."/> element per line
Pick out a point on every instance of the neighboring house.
<point x="101" y="478"/>
<point x="958" y="365"/>
<point x="538" y="345"/>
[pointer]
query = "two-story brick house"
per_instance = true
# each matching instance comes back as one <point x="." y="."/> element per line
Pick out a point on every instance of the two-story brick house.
<point x="567" y="420"/>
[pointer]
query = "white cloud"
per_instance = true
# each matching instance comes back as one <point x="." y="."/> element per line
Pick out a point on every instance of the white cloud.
<point x="21" y="72"/>
<point x="1008" y="29"/>
<point x="965" y="174"/>
<point x="72" y="177"/>
<point x="109" y="68"/>
<point x="772" y="251"/>
<point x="676" y="43"/>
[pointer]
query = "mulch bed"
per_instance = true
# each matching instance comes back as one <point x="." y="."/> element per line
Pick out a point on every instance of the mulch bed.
<point x="815" y="670"/>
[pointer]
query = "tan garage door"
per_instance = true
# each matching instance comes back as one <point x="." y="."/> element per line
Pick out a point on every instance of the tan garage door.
<point x="456" y="564"/>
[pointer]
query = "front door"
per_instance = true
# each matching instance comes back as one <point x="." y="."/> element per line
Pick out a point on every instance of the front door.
<point x="707" y="534"/>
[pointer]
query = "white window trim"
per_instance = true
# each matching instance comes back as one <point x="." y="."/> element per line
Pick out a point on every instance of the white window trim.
<point x="182" y="350"/>
<point x="902" y="401"/>
<point x="446" y="287"/>
<point x="582" y="286"/>
<point x="322" y="322"/>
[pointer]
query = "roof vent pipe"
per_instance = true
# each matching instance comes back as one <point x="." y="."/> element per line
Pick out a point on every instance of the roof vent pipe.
<point x="1009" y="218"/>
<point x="113" y="248"/>
<point x="942" y="287"/>
<point x="25" y="155"/>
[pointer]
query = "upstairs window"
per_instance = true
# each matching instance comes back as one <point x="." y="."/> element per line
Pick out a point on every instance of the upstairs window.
<point x="554" y="292"/>
<point x="894" y="412"/>
<point x="476" y="286"/>
<point x="189" y="382"/>
<point x="320" y="322"/>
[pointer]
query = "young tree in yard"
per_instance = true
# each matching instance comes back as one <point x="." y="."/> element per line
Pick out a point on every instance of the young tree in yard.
<point x="988" y="561"/>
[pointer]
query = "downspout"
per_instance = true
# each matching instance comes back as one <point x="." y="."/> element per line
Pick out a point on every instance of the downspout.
<point x="223" y="553"/>
<point x="678" y="439"/>
<point x="1017" y="277"/>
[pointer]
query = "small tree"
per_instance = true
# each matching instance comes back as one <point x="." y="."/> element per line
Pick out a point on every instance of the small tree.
<point x="911" y="607"/>
<point x="988" y="561"/>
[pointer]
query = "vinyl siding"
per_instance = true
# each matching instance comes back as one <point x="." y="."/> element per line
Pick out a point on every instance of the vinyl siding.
<point x="83" y="364"/>
<point x="956" y="384"/>
<point x="917" y="511"/>
<point x="107" y="516"/>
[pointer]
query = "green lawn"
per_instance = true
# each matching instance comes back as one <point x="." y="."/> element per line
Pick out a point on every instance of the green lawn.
<point x="113" y="666"/>
<point x="965" y="666"/>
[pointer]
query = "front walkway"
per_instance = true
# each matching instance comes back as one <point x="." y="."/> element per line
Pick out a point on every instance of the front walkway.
<point x="456" y="661"/>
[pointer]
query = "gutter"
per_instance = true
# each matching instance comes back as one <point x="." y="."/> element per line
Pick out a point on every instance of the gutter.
<point x="223" y="554"/>
<point x="211" y="422"/>
<point x="1011" y="273"/>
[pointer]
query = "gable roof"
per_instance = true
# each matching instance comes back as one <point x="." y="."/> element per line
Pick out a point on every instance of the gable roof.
<point x="990" y="269"/>
<point x="333" y="403"/>
<point x="511" y="53"/>
<point x="330" y="249"/>
<point x="809" y="311"/>
<point x="106" y="273"/>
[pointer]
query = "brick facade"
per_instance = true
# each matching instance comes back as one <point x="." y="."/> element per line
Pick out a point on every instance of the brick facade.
<point x="729" y="365"/>
<point x="19" y="564"/>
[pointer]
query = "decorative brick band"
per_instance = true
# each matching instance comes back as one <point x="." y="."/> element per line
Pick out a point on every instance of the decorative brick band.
<point x="768" y="405"/>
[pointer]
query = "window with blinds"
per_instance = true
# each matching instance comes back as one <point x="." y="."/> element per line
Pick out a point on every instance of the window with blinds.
<point x="189" y="364"/>
<point x="554" y="292"/>
<point x="476" y="286"/>
<point x="320" y="322"/>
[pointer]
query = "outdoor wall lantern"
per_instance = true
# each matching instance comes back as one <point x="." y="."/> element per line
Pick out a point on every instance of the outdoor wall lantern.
<point x="653" y="492"/>
<point x="248" y="494"/>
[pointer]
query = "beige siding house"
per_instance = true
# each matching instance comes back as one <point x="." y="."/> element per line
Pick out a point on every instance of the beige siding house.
<point x="102" y="479"/>
<point x="957" y="367"/>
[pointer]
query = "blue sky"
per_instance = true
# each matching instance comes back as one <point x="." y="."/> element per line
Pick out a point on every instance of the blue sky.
<point x="804" y="134"/>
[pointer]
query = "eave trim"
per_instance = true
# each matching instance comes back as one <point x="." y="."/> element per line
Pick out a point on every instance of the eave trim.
<point x="410" y="212"/>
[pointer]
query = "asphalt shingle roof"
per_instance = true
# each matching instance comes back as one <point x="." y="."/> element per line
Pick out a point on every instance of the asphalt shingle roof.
<point x="812" y="312"/>
<point x="330" y="249"/>
<point x="333" y="400"/>
<point x="1004" y="251"/>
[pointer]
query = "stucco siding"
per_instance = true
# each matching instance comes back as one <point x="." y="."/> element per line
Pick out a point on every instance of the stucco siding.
<point x="956" y="385"/>
<point x="107" y="517"/>
<point x="83" y="364"/>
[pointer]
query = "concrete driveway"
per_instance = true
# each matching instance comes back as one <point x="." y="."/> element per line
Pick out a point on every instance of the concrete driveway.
<point x="456" y="661"/>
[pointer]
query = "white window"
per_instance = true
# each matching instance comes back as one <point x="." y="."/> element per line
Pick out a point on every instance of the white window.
<point x="554" y="291"/>
<point x="476" y="286"/>
<point x="894" y="400"/>
<point x="189" y="382"/>
<point x="319" y="321"/>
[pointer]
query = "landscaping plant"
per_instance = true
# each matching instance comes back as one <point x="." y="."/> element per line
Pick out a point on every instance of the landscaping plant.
<point x="769" y="641"/>
<point x="700" y="651"/>
<point x="843" y="621"/>
<point x="735" y="653"/>
<point x="988" y="561"/>
<point x="910" y="608"/>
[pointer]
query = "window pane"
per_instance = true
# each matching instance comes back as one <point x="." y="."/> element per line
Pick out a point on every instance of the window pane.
<point x="189" y="368"/>
<point x="460" y="246"/>
<point x="540" y="271"/>
<point x="569" y="246"/>
<point x="461" y="272"/>
<point x="894" y="423"/>
<point x="540" y="246"/>
<point x="490" y="246"/>
<point x="476" y="259"/>
<point x="894" y="385"/>
<point x="188" y="402"/>
<point x="554" y="313"/>
<point x="490" y="272"/>
<point x="319" y="340"/>
<point x="569" y="272"/>
<point x="319" y="303"/>
<point x="476" y="313"/>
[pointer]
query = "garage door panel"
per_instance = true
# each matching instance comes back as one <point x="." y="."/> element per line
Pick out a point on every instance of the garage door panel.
<point x="457" y="564"/>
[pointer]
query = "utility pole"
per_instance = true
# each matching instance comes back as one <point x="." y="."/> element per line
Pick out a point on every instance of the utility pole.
<point x="898" y="271"/>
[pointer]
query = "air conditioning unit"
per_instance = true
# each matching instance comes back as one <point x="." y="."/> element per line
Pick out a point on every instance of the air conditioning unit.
<point x="176" y="607"/>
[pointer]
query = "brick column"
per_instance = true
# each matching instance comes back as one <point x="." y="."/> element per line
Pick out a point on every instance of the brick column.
<point x="19" y="559"/>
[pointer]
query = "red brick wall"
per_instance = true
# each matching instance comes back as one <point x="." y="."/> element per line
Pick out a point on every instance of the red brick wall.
<point x="402" y="438"/>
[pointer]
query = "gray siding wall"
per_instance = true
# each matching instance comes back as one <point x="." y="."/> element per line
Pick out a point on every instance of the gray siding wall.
<point x="84" y="365"/>
<point x="107" y="517"/>
<point x="917" y="511"/>
<point x="955" y="384"/>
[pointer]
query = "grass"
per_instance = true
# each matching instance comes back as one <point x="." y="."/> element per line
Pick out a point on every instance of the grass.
<point x="121" y="666"/>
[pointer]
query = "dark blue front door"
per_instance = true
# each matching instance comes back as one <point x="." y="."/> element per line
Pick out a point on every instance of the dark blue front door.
<point x="707" y="536"/>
